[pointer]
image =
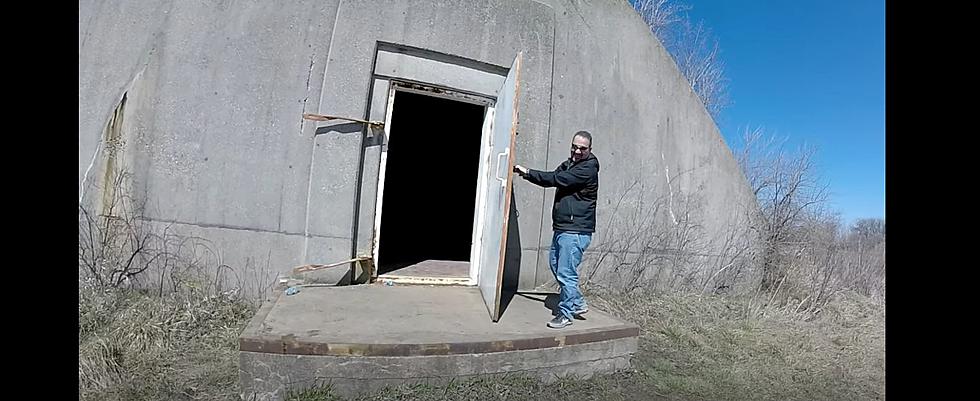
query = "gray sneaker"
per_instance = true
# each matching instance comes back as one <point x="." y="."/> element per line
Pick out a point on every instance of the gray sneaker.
<point x="582" y="311"/>
<point x="559" y="322"/>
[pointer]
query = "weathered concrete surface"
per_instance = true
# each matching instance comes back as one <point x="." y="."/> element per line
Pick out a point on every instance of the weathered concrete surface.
<point x="270" y="376"/>
<point x="213" y="134"/>
<point x="409" y="316"/>
<point x="361" y="338"/>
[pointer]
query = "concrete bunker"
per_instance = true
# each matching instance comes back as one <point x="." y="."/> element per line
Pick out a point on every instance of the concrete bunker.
<point x="215" y="144"/>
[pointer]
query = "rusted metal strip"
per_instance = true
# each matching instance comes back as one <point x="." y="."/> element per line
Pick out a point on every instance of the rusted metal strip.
<point x="293" y="345"/>
<point x="321" y="117"/>
<point x="309" y="268"/>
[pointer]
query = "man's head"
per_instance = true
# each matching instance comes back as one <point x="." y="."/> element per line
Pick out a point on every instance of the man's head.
<point x="581" y="145"/>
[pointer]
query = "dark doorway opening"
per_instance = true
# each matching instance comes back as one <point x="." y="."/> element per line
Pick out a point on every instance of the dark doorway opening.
<point x="430" y="181"/>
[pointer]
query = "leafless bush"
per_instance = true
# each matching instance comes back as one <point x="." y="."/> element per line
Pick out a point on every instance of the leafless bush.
<point x="695" y="50"/>
<point x="787" y="187"/>
<point x="660" y="15"/>
<point x="116" y="244"/>
<point x="808" y="256"/>
<point x="119" y="246"/>
<point x="152" y="305"/>
<point x="661" y="243"/>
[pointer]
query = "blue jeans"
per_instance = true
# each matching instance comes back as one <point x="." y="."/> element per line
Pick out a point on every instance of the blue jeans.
<point x="567" y="248"/>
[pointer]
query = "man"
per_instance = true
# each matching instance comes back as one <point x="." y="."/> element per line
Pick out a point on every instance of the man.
<point x="573" y="220"/>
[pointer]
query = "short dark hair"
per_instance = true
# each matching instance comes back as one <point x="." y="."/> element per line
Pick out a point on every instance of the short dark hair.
<point x="584" y="134"/>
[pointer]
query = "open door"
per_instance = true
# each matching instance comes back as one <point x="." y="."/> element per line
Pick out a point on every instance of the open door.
<point x="497" y="196"/>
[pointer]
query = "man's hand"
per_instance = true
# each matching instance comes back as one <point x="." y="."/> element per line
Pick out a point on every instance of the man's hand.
<point x="519" y="169"/>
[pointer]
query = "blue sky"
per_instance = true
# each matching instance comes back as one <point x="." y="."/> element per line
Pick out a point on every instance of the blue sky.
<point x="813" y="72"/>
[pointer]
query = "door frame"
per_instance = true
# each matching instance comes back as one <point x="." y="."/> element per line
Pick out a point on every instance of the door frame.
<point x="399" y="85"/>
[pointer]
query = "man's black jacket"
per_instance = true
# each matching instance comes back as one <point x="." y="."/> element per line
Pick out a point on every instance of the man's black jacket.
<point x="577" y="192"/>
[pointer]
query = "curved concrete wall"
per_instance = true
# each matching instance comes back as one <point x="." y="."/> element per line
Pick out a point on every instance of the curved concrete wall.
<point x="213" y="135"/>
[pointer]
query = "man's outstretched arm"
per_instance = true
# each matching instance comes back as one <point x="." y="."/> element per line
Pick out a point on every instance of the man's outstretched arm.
<point x="576" y="176"/>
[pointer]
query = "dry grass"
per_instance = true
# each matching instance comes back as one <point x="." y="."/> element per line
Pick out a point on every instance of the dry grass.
<point x="721" y="348"/>
<point x="133" y="345"/>
<point x="183" y="346"/>
<point x="620" y="386"/>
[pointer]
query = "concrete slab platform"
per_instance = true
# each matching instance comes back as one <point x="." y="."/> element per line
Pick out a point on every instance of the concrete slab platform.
<point x="360" y="338"/>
